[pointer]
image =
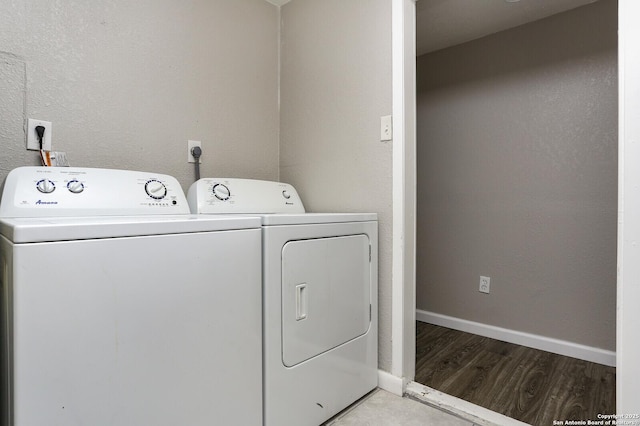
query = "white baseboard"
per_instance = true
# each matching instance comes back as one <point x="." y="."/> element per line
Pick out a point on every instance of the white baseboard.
<point x="390" y="383"/>
<point x="561" y="347"/>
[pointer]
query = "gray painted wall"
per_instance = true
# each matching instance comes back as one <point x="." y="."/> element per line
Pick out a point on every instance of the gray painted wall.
<point x="127" y="83"/>
<point x="335" y="85"/>
<point x="517" y="177"/>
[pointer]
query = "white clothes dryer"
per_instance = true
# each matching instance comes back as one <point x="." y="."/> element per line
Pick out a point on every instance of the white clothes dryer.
<point x="119" y="307"/>
<point x="320" y="284"/>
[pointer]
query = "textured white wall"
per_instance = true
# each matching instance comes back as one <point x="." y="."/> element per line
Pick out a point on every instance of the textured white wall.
<point x="335" y="85"/>
<point x="127" y="83"/>
<point x="517" y="177"/>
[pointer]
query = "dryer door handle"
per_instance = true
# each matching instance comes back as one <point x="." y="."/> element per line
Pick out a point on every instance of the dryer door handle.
<point x="301" y="301"/>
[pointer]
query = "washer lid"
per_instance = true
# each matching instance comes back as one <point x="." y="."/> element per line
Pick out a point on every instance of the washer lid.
<point x="32" y="230"/>
<point x="313" y="218"/>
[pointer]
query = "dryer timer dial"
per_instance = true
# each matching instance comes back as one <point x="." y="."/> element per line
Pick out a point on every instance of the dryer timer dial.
<point x="221" y="192"/>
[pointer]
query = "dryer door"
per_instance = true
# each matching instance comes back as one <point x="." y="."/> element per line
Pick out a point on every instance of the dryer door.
<point x="326" y="291"/>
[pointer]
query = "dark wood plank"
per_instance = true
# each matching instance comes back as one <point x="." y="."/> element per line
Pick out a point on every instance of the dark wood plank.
<point x="530" y="385"/>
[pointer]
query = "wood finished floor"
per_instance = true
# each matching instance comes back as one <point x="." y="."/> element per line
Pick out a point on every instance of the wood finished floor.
<point x="529" y="385"/>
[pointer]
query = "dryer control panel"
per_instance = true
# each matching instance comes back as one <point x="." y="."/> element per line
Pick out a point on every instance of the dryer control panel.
<point x="75" y="192"/>
<point x="230" y="195"/>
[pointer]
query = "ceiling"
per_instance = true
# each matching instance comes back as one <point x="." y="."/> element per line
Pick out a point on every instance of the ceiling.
<point x="445" y="23"/>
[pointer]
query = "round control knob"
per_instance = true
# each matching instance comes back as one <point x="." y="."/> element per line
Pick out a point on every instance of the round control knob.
<point x="286" y="194"/>
<point x="75" y="186"/>
<point x="155" y="189"/>
<point x="45" y="186"/>
<point x="221" y="192"/>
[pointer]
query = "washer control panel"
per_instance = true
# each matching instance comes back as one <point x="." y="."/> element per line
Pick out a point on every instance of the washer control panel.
<point x="74" y="192"/>
<point x="231" y="195"/>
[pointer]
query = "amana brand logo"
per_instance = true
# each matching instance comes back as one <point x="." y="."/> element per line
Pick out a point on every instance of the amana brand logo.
<point x="46" y="202"/>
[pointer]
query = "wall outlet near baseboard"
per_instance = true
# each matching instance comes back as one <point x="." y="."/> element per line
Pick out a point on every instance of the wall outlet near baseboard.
<point x="485" y="284"/>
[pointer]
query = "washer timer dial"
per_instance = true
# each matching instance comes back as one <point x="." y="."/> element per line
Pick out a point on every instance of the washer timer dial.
<point x="221" y="192"/>
<point x="155" y="189"/>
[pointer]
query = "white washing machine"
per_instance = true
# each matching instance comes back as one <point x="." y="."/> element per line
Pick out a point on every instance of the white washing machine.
<point x="320" y="287"/>
<point x="119" y="307"/>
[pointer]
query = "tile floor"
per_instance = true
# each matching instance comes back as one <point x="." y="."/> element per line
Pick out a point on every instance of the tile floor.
<point x="381" y="408"/>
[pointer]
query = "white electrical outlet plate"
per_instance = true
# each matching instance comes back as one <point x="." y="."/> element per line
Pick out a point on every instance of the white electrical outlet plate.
<point x="485" y="284"/>
<point x="386" y="128"/>
<point x="33" y="142"/>
<point x="191" y="144"/>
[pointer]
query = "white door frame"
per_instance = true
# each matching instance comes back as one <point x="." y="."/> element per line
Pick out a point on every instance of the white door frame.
<point x="628" y="320"/>
<point x="404" y="201"/>
<point x="403" y="351"/>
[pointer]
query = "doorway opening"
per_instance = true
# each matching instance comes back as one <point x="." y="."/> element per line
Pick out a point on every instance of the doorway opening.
<point x="517" y="181"/>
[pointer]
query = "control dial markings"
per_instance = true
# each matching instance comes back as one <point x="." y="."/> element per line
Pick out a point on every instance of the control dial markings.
<point x="155" y="189"/>
<point x="221" y="192"/>
<point x="46" y="186"/>
<point x="75" y="186"/>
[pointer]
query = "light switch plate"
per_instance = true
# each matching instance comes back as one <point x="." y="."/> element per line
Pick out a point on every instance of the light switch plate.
<point x="386" y="128"/>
